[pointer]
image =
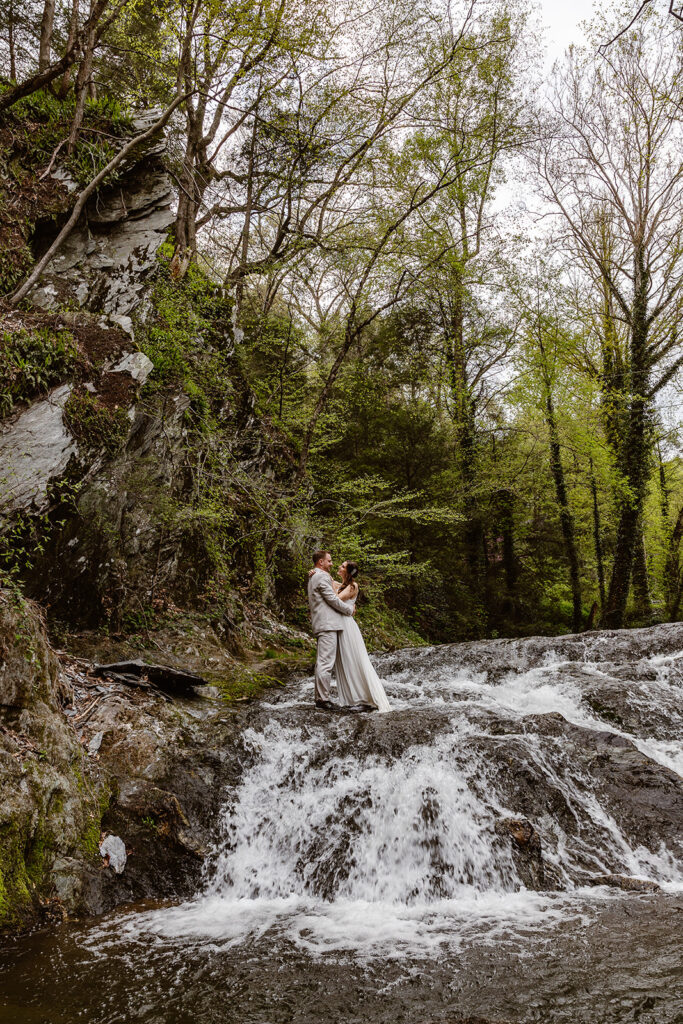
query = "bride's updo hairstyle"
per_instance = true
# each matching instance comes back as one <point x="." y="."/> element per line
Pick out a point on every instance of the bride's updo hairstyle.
<point x="351" y="571"/>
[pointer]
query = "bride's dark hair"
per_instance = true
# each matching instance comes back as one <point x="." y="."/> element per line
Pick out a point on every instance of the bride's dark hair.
<point x="351" y="571"/>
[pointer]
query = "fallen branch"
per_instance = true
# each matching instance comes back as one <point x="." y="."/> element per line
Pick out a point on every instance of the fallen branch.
<point x="23" y="290"/>
<point x="52" y="160"/>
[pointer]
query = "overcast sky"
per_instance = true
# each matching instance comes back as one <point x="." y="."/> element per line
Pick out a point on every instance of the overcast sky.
<point x="561" y="20"/>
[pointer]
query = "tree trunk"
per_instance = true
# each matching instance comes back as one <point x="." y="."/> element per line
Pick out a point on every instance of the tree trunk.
<point x="246" y="229"/>
<point x="350" y="335"/>
<point x="73" y="32"/>
<point x="663" y="490"/>
<point x="635" y="456"/>
<point x="46" y="35"/>
<point x="505" y="502"/>
<point x="672" y="573"/>
<point x="185" y="227"/>
<point x="566" y="517"/>
<point x="43" y="78"/>
<point x="83" y="83"/>
<point x="12" y="44"/>
<point x="613" y="372"/>
<point x="463" y="415"/>
<point x="597" y="539"/>
<point x="641" y="584"/>
<point x="509" y="554"/>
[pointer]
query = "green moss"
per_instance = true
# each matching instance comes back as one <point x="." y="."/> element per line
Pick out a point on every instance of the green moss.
<point x="244" y="684"/>
<point x="27" y="849"/>
<point x="89" y="840"/>
<point x="36" y="859"/>
<point x="15" y="882"/>
<point x="93" y="424"/>
<point x="4" y="900"/>
<point x="77" y="773"/>
<point x="25" y="633"/>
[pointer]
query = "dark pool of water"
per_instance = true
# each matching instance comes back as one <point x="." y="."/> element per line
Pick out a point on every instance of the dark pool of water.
<point x="621" y="961"/>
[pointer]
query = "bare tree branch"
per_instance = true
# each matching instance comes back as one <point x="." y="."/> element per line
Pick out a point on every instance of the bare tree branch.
<point x="675" y="14"/>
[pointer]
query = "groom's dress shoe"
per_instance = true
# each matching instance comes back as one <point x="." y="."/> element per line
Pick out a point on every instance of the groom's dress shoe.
<point x="326" y="705"/>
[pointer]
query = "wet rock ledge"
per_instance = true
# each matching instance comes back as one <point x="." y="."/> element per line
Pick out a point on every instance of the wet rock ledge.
<point x="85" y="758"/>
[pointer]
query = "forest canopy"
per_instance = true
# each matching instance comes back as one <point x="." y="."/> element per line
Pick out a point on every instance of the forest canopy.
<point x="451" y="279"/>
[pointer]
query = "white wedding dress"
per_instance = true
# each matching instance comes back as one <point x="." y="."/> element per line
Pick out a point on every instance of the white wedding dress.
<point x="357" y="681"/>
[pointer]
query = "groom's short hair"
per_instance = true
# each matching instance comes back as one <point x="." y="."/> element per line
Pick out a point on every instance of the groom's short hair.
<point x="317" y="555"/>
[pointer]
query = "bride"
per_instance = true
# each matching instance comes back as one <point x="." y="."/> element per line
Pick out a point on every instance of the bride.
<point x="357" y="681"/>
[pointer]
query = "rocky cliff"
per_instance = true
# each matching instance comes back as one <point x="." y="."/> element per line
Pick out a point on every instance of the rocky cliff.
<point x="137" y="482"/>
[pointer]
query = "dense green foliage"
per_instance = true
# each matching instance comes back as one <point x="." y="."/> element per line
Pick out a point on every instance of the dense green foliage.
<point x="379" y="352"/>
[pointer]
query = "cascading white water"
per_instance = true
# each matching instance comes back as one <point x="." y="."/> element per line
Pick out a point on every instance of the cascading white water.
<point x="420" y="827"/>
<point x="338" y="840"/>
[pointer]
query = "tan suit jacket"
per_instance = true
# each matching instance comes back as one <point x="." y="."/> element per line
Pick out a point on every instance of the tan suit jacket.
<point x="326" y="608"/>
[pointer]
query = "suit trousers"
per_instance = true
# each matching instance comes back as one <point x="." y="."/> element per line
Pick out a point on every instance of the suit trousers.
<point x="324" y="662"/>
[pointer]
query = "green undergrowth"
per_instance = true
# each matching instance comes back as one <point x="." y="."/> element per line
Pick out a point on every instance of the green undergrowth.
<point x="32" y="361"/>
<point x="185" y="332"/>
<point x="229" y="517"/>
<point x="28" y="534"/>
<point x="44" y="120"/>
<point x="385" y="629"/>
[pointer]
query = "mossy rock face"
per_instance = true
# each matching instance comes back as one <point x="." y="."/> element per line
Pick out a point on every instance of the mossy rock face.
<point x="156" y="780"/>
<point x="28" y="670"/>
<point x="48" y="806"/>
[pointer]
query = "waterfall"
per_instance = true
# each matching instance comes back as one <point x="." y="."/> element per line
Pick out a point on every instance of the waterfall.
<point x="383" y="833"/>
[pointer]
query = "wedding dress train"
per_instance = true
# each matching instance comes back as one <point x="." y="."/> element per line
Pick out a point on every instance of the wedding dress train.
<point x="357" y="681"/>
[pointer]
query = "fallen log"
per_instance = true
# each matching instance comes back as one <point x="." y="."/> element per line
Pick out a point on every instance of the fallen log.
<point x="170" y="680"/>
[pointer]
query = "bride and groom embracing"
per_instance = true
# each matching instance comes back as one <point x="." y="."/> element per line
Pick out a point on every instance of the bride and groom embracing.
<point x="340" y="642"/>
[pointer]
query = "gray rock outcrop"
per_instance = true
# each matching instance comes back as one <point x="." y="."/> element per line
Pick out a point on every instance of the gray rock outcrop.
<point x="34" y="449"/>
<point x="102" y="268"/>
<point x="106" y="259"/>
<point x="80" y="757"/>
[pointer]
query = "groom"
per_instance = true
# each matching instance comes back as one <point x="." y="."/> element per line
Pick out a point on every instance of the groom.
<point x="326" y="611"/>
